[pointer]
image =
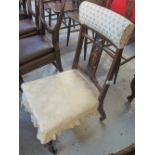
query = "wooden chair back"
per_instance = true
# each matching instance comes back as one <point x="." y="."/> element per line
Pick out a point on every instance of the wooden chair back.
<point x="53" y="30"/>
<point x="33" y="13"/>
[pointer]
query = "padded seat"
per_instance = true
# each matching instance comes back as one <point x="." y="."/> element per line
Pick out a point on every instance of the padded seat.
<point x="26" y="26"/>
<point x="60" y="102"/>
<point x="33" y="47"/>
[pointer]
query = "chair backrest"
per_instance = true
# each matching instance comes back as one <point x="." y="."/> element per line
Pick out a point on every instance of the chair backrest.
<point x="22" y="6"/>
<point x="55" y="30"/>
<point x="33" y="12"/>
<point x="112" y="30"/>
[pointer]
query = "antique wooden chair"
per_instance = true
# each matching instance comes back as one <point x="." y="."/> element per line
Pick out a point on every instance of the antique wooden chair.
<point x="63" y="100"/>
<point x="38" y="50"/>
<point x="29" y="26"/>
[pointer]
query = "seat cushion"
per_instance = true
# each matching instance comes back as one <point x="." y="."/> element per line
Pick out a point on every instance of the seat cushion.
<point x="26" y="26"/>
<point x="33" y="47"/>
<point x="59" y="102"/>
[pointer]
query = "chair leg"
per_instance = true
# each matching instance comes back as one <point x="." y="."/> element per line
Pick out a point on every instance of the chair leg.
<point x="85" y="46"/>
<point x="73" y="23"/>
<point x="49" y="17"/>
<point x="68" y="31"/>
<point x="52" y="147"/>
<point x="132" y="86"/>
<point x="55" y="64"/>
<point x="111" y="73"/>
<point x="58" y="60"/>
<point x="116" y="73"/>
<point x="20" y="82"/>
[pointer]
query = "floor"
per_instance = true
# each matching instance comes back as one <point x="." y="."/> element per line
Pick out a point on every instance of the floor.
<point x="91" y="137"/>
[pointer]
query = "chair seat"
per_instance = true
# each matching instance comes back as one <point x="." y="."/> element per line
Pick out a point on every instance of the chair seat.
<point x="26" y="26"/>
<point x="56" y="6"/>
<point x="74" y="16"/>
<point x="22" y="14"/>
<point x="33" y="47"/>
<point x="59" y="102"/>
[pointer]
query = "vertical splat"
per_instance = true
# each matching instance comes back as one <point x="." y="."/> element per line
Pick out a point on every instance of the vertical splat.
<point x="94" y="59"/>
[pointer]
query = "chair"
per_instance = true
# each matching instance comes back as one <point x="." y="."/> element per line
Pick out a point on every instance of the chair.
<point x="64" y="100"/>
<point x="48" y="10"/>
<point x="22" y="9"/>
<point x="28" y="27"/>
<point x="38" y="50"/>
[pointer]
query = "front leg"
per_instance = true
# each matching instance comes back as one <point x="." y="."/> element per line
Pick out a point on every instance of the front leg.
<point x="52" y="147"/>
<point x="132" y="86"/>
<point x="102" y="112"/>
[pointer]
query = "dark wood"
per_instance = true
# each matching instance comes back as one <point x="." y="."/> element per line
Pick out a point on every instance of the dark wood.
<point x="130" y="150"/>
<point x="53" y="54"/>
<point x="20" y="82"/>
<point x="132" y="86"/>
<point x="73" y="16"/>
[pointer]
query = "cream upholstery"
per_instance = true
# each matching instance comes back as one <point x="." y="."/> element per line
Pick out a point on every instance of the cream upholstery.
<point x="59" y="102"/>
<point x="113" y="26"/>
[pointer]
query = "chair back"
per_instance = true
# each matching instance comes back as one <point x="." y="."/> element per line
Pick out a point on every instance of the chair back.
<point x="54" y="31"/>
<point x="33" y="13"/>
<point x="22" y="5"/>
<point x="112" y="29"/>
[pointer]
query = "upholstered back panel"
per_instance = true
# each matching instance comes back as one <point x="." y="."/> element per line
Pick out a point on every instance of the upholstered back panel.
<point x="113" y="26"/>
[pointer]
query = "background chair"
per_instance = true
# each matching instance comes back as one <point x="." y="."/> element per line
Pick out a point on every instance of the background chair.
<point x="64" y="100"/>
<point x="22" y="9"/>
<point x="29" y="26"/>
<point x="38" y="50"/>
